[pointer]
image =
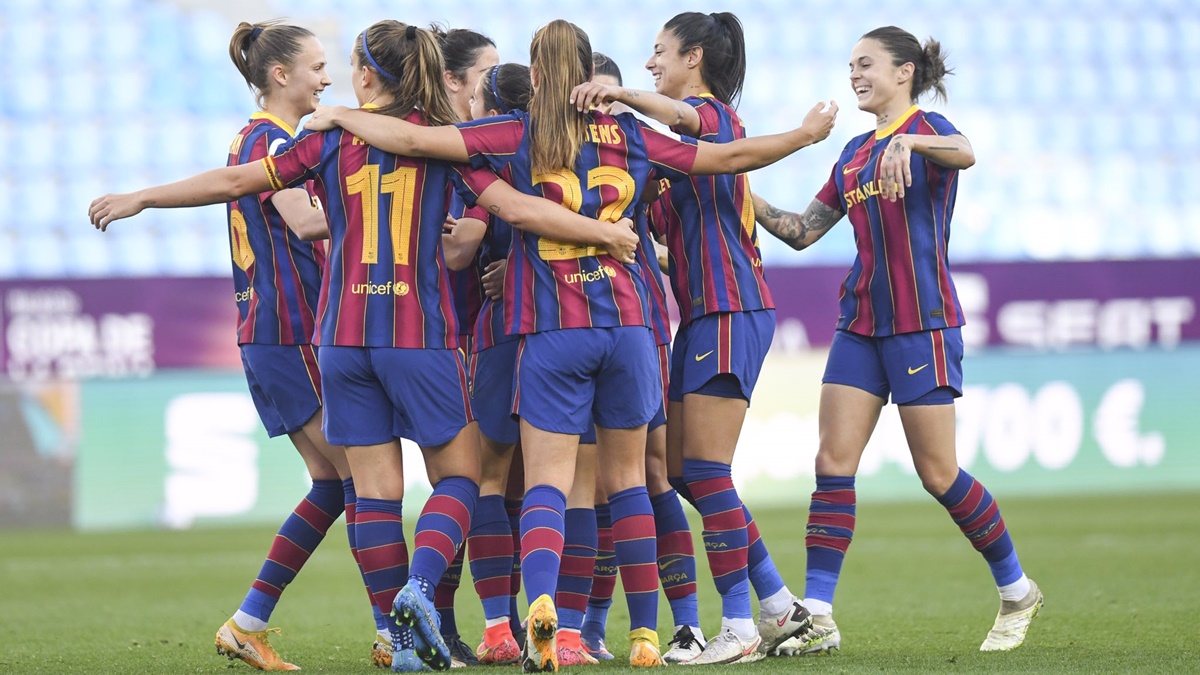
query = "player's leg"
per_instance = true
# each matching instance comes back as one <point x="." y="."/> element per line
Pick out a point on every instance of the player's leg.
<point x="286" y="398"/>
<point x="854" y="391"/>
<point x="926" y="401"/>
<point x="604" y="580"/>
<point x="555" y="390"/>
<point x="628" y="394"/>
<point x="429" y="387"/>
<point x="579" y="557"/>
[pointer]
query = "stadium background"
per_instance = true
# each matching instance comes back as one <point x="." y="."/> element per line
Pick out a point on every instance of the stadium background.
<point x="1076" y="245"/>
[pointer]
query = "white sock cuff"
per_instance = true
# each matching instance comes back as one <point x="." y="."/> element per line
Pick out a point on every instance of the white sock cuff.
<point x="818" y="607"/>
<point x="1017" y="590"/>
<point x="778" y="602"/>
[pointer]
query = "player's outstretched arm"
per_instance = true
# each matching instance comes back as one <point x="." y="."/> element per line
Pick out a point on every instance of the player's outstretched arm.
<point x="392" y="134"/>
<point x="676" y="114"/>
<point x="211" y="187"/>
<point x="547" y="219"/>
<point x="747" y="154"/>
<point x="796" y="230"/>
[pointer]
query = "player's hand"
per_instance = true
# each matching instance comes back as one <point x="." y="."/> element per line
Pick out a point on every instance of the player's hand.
<point x="493" y="279"/>
<point x="449" y="224"/>
<point x="108" y="208"/>
<point x="621" y="240"/>
<point x="591" y="95"/>
<point x="324" y="117"/>
<point x="895" y="167"/>
<point x="819" y="121"/>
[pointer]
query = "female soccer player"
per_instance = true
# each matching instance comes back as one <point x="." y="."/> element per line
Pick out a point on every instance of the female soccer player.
<point x="899" y="330"/>
<point x="586" y="352"/>
<point x="387" y="333"/>
<point x="728" y="321"/>
<point x="676" y="556"/>
<point x="467" y="55"/>
<point x="277" y="279"/>
<point x="493" y="361"/>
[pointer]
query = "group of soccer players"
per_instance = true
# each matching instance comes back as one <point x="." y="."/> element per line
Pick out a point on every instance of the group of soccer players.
<point x="491" y="290"/>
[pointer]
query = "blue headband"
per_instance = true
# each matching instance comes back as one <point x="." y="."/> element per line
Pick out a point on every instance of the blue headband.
<point x="370" y="59"/>
<point x="496" y="91"/>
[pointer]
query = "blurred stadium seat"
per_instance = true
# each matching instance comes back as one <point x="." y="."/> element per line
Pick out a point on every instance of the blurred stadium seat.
<point x="104" y="95"/>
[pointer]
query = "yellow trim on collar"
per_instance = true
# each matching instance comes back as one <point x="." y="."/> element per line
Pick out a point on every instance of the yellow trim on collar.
<point x="264" y="115"/>
<point x="890" y="129"/>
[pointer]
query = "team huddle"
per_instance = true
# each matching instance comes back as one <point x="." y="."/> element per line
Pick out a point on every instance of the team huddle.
<point x="473" y="259"/>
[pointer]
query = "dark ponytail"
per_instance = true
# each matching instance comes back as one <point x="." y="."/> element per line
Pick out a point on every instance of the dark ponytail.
<point x="929" y="63"/>
<point x="409" y="63"/>
<point x="721" y="37"/>
<point x="507" y="88"/>
<point x="255" y="47"/>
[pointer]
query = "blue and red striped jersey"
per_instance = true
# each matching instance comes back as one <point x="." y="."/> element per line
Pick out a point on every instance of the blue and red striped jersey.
<point x="489" y="326"/>
<point x="716" y="265"/>
<point x="551" y="284"/>
<point x="385" y="283"/>
<point x="900" y="281"/>
<point x="276" y="275"/>
<point x="465" y="287"/>
<point x="660" y="319"/>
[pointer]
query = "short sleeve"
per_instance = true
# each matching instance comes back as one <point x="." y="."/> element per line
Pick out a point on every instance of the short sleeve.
<point x="938" y="125"/>
<point x="671" y="158"/>
<point x="493" y="141"/>
<point x="710" y="116"/>
<point x="295" y="160"/>
<point x="470" y="182"/>
<point x="830" y="195"/>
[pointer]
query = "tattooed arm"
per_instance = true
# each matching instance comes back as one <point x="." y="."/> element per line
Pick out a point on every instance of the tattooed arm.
<point x="796" y="230"/>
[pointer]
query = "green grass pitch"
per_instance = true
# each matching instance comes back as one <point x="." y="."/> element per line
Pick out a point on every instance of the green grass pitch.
<point x="1121" y="576"/>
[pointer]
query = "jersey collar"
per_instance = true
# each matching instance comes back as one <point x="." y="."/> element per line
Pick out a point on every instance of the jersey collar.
<point x="263" y="115"/>
<point x="890" y="129"/>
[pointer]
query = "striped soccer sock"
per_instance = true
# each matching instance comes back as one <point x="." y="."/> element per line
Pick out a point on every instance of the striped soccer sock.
<point x="773" y="595"/>
<point x="297" y="538"/>
<point x="351" y="499"/>
<point x="830" y="530"/>
<point x="978" y="516"/>
<point x="725" y="538"/>
<point x="490" y="550"/>
<point x="604" y="579"/>
<point x="441" y="529"/>
<point x="379" y="529"/>
<point x="578" y="564"/>
<point x="676" y="558"/>
<point x="542" y="525"/>
<point x="513" y="508"/>
<point x="443" y="595"/>
<point x="636" y="549"/>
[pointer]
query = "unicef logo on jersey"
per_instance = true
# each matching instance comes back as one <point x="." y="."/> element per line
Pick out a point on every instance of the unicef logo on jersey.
<point x="605" y="272"/>
<point x="398" y="288"/>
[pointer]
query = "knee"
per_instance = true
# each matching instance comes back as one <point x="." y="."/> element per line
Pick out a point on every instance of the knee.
<point x="937" y="480"/>
<point x="829" y="463"/>
<point x="656" y="475"/>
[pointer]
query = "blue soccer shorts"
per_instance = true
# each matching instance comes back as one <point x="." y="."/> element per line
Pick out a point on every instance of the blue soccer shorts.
<point x="724" y="343"/>
<point x="285" y="385"/>
<point x="914" y="368"/>
<point x="493" y="379"/>
<point x="373" y="394"/>
<point x="567" y="379"/>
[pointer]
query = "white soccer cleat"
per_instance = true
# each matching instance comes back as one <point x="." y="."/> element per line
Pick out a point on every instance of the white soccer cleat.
<point x="823" y="637"/>
<point x="685" y="646"/>
<point x="1012" y="622"/>
<point x="775" y="629"/>
<point x="725" y="648"/>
